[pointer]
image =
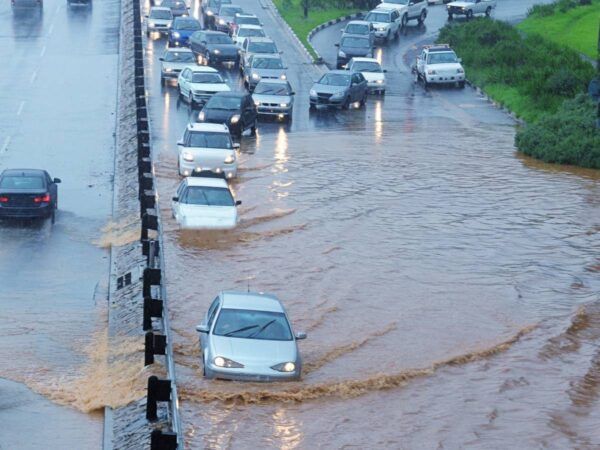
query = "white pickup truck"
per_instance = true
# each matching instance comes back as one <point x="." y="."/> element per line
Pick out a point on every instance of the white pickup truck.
<point x="470" y="8"/>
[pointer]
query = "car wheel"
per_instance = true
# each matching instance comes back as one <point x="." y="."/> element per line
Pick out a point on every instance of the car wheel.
<point x="422" y="17"/>
<point x="461" y="84"/>
<point x="346" y="104"/>
<point x="206" y="58"/>
<point x="179" y="94"/>
<point x="253" y="129"/>
<point x="404" y="20"/>
<point x="388" y="36"/>
<point x="488" y="11"/>
<point x="363" y="102"/>
<point x="53" y="216"/>
<point x="450" y="17"/>
<point x="162" y="81"/>
<point x="469" y="14"/>
<point x="312" y="107"/>
<point x="191" y="99"/>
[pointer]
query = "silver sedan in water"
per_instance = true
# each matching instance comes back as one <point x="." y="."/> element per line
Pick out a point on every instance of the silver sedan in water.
<point x="247" y="336"/>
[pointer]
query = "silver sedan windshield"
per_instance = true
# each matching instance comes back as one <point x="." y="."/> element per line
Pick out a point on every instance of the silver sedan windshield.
<point x="250" y="324"/>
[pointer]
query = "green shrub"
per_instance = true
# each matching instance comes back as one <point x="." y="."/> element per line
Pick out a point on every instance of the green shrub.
<point x="542" y="10"/>
<point x="568" y="136"/>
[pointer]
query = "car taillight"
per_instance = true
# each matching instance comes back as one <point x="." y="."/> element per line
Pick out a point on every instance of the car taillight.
<point x="42" y="199"/>
<point x="3" y="199"/>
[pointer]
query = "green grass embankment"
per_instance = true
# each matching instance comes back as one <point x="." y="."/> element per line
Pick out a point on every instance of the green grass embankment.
<point x="574" y="27"/>
<point x="292" y="12"/>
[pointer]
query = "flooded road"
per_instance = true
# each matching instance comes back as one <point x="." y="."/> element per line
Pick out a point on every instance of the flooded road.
<point x="449" y="286"/>
<point x="58" y="85"/>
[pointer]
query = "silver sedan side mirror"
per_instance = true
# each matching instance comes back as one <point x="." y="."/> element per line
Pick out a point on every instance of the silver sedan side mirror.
<point x="300" y="335"/>
<point x="202" y="328"/>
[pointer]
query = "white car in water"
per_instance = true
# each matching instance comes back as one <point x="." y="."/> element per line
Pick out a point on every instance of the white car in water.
<point x="438" y="64"/>
<point x="372" y="71"/>
<point x="197" y="84"/>
<point x="173" y="61"/>
<point x="159" y="20"/>
<point x="470" y="8"/>
<point x="207" y="146"/>
<point x="242" y="32"/>
<point x="205" y="202"/>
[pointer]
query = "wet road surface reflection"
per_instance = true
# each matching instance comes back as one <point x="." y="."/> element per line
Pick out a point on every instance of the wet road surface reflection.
<point x="430" y="266"/>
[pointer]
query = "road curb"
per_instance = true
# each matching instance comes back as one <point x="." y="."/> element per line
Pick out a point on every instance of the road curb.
<point x="495" y="103"/>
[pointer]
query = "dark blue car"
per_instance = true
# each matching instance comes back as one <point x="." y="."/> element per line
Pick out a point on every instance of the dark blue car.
<point x="181" y="30"/>
<point x="28" y="194"/>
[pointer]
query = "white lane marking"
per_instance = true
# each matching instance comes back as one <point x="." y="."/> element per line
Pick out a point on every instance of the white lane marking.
<point x="20" y="110"/>
<point x="6" y="144"/>
<point x="32" y="79"/>
<point x="43" y="51"/>
<point x="51" y="29"/>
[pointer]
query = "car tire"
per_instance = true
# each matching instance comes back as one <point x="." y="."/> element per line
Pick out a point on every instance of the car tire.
<point x="206" y="59"/>
<point x="179" y="94"/>
<point x="363" y="102"/>
<point x="312" y="107"/>
<point x="190" y="100"/>
<point x="388" y="36"/>
<point x="162" y="81"/>
<point x="404" y="20"/>
<point x="253" y="129"/>
<point x="469" y="14"/>
<point x="488" y="11"/>
<point x="422" y="17"/>
<point x="53" y="216"/>
<point x="450" y="16"/>
<point x="346" y="104"/>
<point x="461" y="84"/>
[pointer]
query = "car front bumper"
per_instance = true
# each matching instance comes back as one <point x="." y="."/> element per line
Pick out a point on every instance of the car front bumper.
<point x="248" y="375"/>
<point x="445" y="79"/>
<point x="373" y="86"/>
<point x="186" y="168"/>
<point x="172" y="75"/>
<point x="273" y="110"/>
<point x="162" y="29"/>
<point x="382" y="34"/>
<point x="326" y="101"/>
<point x="178" y="42"/>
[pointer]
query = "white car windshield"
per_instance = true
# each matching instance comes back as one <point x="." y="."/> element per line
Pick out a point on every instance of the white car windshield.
<point x="378" y="17"/>
<point x="212" y="78"/>
<point x="187" y="24"/>
<point x="262" y="47"/>
<point x="335" y="79"/>
<point x="207" y="196"/>
<point x="251" y="324"/>
<point x="247" y="20"/>
<point x="251" y="32"/>
<point x="179" y="57"/>
<point x="161" y="14"/>
<point x="267" y="63"/>
<point x="356" y="28"/>
<point x="396" y="2"/>
<point x="367" y="66"/>
<point x="209" y="140"/>
<point x="272" y="89"/>
<point x="442" y="58"/>
<point x="229" y="11"/>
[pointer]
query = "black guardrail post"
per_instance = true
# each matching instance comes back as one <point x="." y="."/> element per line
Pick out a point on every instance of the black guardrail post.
<point x="149" y="222"/>
<point x="152" y="277"/>
<point x="163" y="440"/>
<point x="152" y="308"/>
<point x="155" y="344"/>
<point x="158" y="391"/>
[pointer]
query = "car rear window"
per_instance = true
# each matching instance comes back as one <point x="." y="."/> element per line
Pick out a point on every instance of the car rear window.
<point x="22" y="182"/>
<point x="209" y="140"/>
<point x="208" y="196"/>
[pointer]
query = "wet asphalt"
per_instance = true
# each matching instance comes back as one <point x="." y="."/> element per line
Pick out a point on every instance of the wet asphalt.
<point x="58" y="97"/>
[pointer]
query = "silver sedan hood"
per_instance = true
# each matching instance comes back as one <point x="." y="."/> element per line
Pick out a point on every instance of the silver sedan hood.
<point x="254" y="351"/>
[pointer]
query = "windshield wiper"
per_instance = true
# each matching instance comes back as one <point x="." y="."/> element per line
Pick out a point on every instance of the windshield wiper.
<point x="263" y="328"/>
<point x="249" y="327"/>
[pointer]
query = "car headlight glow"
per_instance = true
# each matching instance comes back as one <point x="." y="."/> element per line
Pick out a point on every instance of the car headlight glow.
<point x="176" y="35"/>
<point x="209" y="13"/>
<point x="216" y="51"/>
<point x="283" y="76"/>
<point x="256" y="103"/>
<point x="460" y="70"/>
<point x="235" y="118"/>
<point x="431" y="72"/>
<point x="230" y="159"/>
<point x="221" y="22"/>
<point x="168" y="69"/>
<point x="283" y="105"/>
<point x="187" y="156"/>
<point x="255" y="76"/>
<point x="382" y="28"/>
<point x="201" y="116"/>
<point x="151" y="24"/>
<point x="313" y="93"/>
<point x="226" y="362"/>
<point x="341" y="54"/>
<point x="285" y="367"/>
<point x="379" y="81"/>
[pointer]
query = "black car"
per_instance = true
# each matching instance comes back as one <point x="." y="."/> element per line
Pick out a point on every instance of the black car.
<point x="214" y="47"/>
<point x="353" y="46"/>
<point x="234" y="109"/>
<point x="210" y="9"/>
<point x="28" y="194"/>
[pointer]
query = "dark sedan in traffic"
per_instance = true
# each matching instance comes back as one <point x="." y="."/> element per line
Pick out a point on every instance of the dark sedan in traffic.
<point x="339" y="88"/>
<point x="234" y="109"/>
<point x="28" y="194"/>
<point x="214" y="47"/>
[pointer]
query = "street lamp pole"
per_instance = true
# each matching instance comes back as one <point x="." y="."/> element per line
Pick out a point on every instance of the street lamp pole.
<point x="305" y="6"/>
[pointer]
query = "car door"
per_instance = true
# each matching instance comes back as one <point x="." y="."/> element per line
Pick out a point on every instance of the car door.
<point x="176" y="204"/>
<point x="395" y="17"/>
<point x="421" y="62"/>
<point x="248" y="111"/>
<point x="209" y="320"/>
<point x="362" y="83"/>
<point x="183" y="81"/>
<point x="52" y="188"/>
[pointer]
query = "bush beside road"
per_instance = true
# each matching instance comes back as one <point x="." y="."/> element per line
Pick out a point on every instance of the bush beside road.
<point x="566" y="23"/>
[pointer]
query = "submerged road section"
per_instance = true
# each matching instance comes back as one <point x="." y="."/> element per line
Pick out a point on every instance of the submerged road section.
<point x="58" y="96"/>
<point x="447" y="284"/>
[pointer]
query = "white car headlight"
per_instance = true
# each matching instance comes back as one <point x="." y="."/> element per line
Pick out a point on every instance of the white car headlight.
<point x="216" y="51"/>
<point x="168" y="69"/>
<point x="256" y="103"/>
<point x="283" y="76"/>
<point x="151" y="24"/>
<point x="221" y="22"/>
<point x="341" y="54"/>
<point x="379" y="81"/>
<point x="176" y="34"/>
<point x="431" y="72"/>
<point x="285" y="367"/>
<point x="255" y="76"/>
<point x="201" y="116"/>
<point x="209" y="13"/>
<point x="230" y="159"/>
<point x="283" y="105"/>
<point x="382" y="28"/>
<point x="187" y="156"/>
<point x="226" y="362"/>
<point x="313" y="93"/>
<point x="235" y="118"/>
<point x="460" y="70"/>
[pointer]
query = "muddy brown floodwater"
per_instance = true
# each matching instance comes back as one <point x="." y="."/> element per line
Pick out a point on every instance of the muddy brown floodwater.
<point x="449" y="288"/>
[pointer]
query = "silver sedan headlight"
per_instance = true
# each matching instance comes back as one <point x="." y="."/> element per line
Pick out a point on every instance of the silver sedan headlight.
<point x="220" y="361"/>
<point x="187" y="156"/>
<point x="230" y="159"/>
<point x="255" y="76"/>
<point x="221" y="22"/>
<point x="313" y="93"/>
<point x="176" y="35"/>
<point x="285" y="367"/>
<point x="341" y="54"/>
